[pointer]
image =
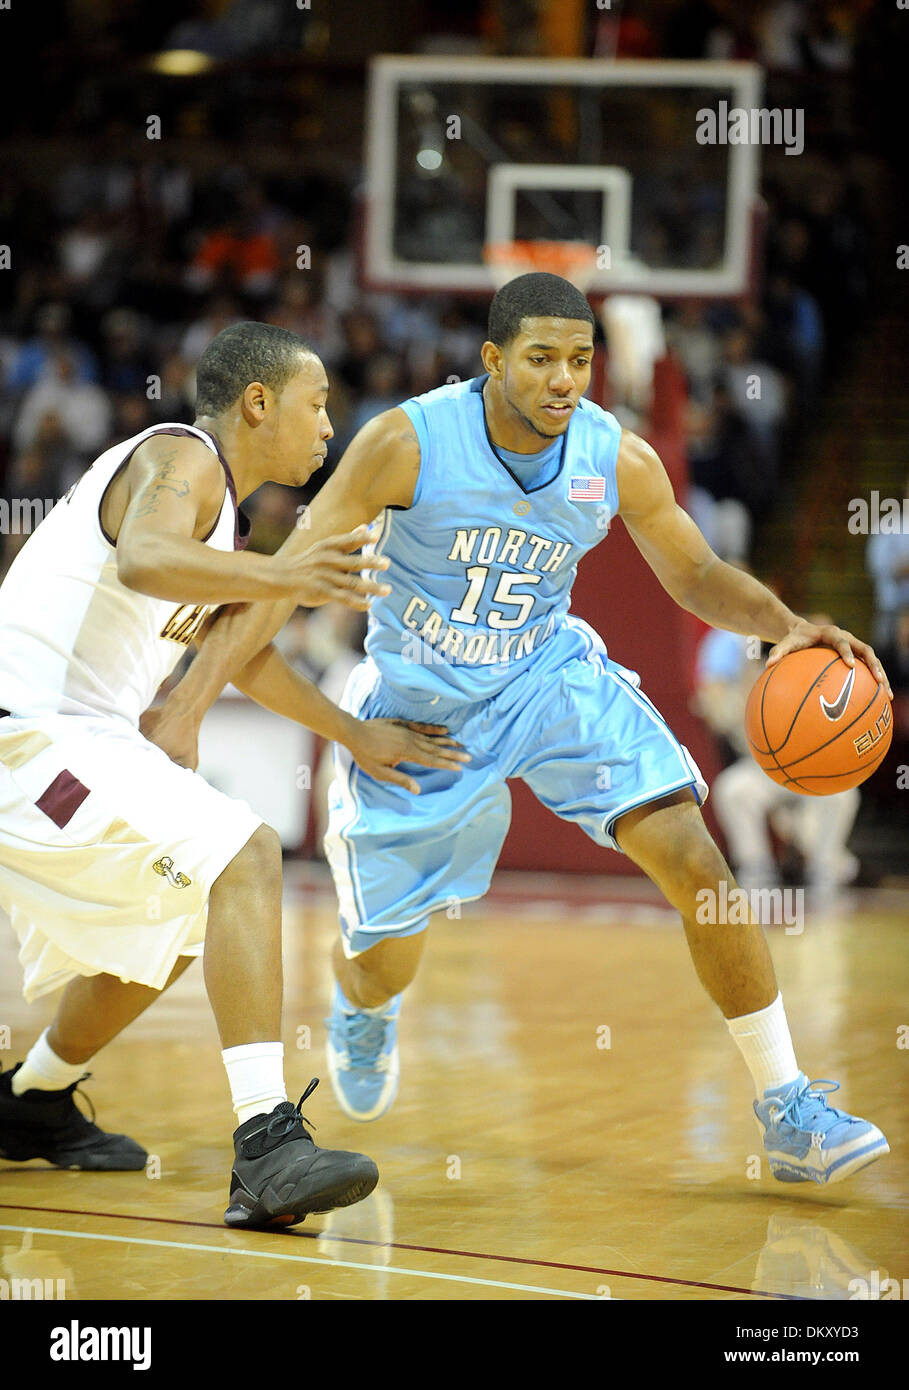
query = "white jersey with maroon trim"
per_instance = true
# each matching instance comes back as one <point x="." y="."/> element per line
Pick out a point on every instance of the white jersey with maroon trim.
<point x="73" y="638"/>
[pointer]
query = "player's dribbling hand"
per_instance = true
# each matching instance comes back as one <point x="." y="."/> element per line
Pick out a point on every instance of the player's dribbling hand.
<point x="806" y="634"/>
<point x="329" y="572"/>
<point x="379" y="745"/>
<point x="176" y="732"/>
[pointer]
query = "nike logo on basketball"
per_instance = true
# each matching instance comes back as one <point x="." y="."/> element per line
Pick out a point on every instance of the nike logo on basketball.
<point x="836" y="710"/>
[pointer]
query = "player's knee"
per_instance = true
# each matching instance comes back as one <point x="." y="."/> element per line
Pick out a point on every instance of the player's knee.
<point x="703" y="866"/>
<point x="389" y="967"/>
<point x="693" y="862"/>
<point x="259" y="861"/>
<point x="392" y="978"/>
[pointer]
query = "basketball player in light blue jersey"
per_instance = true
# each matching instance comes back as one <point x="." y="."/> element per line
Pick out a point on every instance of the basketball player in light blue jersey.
<point x="488" y="494"/>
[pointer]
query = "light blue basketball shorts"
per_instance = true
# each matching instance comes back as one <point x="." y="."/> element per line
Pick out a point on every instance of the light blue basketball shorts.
<point x="574" y="726"/>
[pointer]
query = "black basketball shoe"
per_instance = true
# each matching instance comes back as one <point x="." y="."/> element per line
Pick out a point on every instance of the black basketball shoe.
<point x="280" y="1176"/>
<point x="48" y="1125"/>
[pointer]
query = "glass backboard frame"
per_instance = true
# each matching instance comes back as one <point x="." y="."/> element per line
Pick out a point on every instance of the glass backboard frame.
<point x="382" y="269"/>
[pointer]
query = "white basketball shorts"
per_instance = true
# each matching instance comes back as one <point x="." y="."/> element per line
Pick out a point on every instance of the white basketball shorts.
<point x="108" y="850"/>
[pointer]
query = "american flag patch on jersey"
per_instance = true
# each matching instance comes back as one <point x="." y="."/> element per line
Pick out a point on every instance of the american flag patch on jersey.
<point x="587" y="490"/>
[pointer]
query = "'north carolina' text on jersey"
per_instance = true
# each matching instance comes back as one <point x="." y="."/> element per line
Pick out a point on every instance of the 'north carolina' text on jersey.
<point x="481" y="568"/>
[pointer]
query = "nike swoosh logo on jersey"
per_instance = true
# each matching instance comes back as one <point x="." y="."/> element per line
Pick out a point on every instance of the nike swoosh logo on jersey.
<point x="836" y="710"/>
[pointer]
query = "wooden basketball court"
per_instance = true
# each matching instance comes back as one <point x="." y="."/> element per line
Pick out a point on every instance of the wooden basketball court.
<point x="573" y="1122"/>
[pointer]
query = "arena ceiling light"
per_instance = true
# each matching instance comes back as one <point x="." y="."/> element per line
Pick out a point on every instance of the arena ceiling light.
<point x="181" y="62"/>
<point x="429" y="159"/>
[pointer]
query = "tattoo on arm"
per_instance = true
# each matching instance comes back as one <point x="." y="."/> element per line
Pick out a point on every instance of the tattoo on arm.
<point x="409" y="436"/>
<point x="163" y="481"/>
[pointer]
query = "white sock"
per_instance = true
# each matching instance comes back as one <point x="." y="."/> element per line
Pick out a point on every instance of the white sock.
<point x="256" y="1075"/>
<point x="43" y="1070"/>
<point x="764" y="1042"/>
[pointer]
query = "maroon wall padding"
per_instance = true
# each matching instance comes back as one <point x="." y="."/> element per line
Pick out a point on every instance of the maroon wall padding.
<point x="619" y="595"/>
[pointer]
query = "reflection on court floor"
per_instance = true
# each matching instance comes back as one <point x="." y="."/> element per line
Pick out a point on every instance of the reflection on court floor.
<point x="573" y="1122"/>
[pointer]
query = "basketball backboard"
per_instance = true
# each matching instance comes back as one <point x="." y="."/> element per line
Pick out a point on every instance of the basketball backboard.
<point x="463" y="152"/>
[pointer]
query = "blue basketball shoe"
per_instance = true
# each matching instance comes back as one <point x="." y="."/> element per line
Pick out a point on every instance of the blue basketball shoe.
<point x="363" y="1060"/>
<point x="808" y="1140"/>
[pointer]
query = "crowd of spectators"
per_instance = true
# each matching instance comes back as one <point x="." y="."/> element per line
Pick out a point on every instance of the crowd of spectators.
<point x="101" y="340"/>
<point x="126" y="268"/>
<point x="783" y="35"/>
<point x="88" y="357"/>
<point x="755" y="371"/>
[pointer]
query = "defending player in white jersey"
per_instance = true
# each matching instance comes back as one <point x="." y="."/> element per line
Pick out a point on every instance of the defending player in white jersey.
<point x="487" y="489"/>
<point x="117" y="866"/>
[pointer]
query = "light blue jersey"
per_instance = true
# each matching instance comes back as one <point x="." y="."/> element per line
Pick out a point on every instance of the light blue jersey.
<point x="482" y="567"/>
<point x="476" y="635"/>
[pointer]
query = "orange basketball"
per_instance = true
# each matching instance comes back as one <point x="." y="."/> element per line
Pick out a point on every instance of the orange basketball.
<point x="816" y="725"/>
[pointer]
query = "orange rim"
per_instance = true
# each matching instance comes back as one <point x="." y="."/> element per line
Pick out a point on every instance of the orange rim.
<point x="573" y="260"/>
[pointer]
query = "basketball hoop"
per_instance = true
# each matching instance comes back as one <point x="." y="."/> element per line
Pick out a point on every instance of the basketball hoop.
<point x="573" y="260"/>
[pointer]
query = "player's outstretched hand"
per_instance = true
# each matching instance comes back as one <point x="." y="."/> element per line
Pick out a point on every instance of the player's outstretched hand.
<point x="173" y="730"/>
<point x="380" y="744"/>
<point x="329" y="571"/>
<point x="806" y="634"/>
